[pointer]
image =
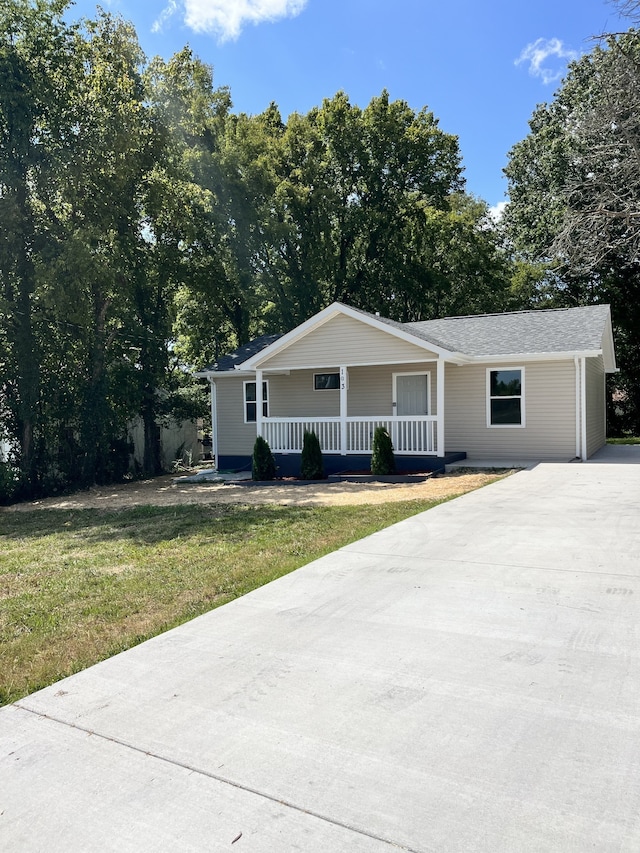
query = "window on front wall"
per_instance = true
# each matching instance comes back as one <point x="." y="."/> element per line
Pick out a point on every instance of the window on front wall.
<point x="326" y="381"/>
<point x="251" y="403"/>
<point x="505" y="397"/>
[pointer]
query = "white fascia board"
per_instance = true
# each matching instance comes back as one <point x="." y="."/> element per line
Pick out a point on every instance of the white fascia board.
<point x="532" y="356"/>
<point x="332" y="365"/>
<point x="216" y="374"/>
<point x="324" y="316"/>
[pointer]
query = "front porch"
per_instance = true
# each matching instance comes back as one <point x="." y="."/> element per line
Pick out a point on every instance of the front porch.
<point x="408" y="400"/>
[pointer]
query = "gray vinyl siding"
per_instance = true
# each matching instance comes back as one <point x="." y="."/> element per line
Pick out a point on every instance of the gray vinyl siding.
<point x="371" y="388"/>
<point x="550" y="407"/>
<point x="370" y="391"/>
<point x="595" y="387"/>
<point x="550" y="412"/>
<point x="344" y="340"/>
<point x="294" y="396"/>
<point x="234" y="436"/>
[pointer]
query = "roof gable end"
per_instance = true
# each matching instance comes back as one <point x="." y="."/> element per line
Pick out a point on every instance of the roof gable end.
<point x="389" y="327"/>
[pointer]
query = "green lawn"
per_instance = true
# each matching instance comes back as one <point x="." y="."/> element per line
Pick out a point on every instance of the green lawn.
<point x="629" y="439"/>
<point x="79" y="586"/>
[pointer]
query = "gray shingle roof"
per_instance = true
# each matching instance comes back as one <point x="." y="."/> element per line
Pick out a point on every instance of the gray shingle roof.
<point x="560" y="330"/>
<point x="543" y="331"/>
<point x="229" y="362"/>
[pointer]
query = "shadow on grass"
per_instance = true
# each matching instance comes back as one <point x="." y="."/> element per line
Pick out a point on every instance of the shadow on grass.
<point x="149" y="524"/>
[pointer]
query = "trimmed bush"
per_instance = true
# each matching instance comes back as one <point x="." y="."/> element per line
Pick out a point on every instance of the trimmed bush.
<point x="263" y="466"/>
<point x="311" y="464"/>
<point x="382" y="460"/>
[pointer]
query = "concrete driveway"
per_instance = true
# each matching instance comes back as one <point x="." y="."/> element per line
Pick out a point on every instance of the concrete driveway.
<point x="468" y="680"/>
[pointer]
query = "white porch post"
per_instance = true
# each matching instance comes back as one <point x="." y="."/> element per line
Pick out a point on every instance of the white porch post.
<point x="440" y="405"/>
<point x="258" y="402"/>
<point x="344" y="383"/>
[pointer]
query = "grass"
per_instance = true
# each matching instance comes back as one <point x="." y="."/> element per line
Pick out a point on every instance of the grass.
<point x="628" y="439"/>
<point x="79" y="586"/>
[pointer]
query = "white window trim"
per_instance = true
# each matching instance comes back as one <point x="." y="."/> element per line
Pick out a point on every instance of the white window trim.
<point x="246" y="382"/>
<point x="521" y="397"/>
<point x="325" y="373"/>
<point x="394" y="376"/>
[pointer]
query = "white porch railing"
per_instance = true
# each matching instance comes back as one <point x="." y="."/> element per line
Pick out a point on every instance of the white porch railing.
<point x="410" y="434"/>
<point x="285" y="435"/>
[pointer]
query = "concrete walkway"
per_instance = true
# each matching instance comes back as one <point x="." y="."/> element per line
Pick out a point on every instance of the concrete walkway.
<point x="468" y="680"/>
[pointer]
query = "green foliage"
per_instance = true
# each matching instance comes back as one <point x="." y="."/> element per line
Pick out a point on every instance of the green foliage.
<point x="146" y="229"/>
<point x="263" y="466"/>
<point x="382" y="459"/>
<point x="8" y="481"/>
<point x="574" y="185"/>
<point x="311" y="464"/>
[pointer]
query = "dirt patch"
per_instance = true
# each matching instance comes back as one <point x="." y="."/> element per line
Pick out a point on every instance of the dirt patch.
<point x="162" y="491"/>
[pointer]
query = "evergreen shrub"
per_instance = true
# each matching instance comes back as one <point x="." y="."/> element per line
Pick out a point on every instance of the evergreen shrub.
<point x="382" y="459"/>
<point x="311" y="464"/>
<point x="263" y="466"/>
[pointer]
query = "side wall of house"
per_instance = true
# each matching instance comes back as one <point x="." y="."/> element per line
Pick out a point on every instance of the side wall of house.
<point x="235" y="438"/>
<point x="550" y="412"/>
<point x="596" y="417"/>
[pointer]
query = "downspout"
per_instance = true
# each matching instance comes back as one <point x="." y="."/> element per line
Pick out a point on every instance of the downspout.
<point x="214" y="423"/>
<point x="259" y="403"/>
<point x="583" y="407"/>
<point x="576" y="362"/>
<point x="440" y="406"/>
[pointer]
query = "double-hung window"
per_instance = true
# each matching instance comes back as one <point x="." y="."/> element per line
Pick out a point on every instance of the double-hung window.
<point x="251" y="402"/>
<point x="505" y="397"/>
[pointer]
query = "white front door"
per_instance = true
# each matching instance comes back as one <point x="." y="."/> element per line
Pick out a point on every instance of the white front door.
<point x="412" y="393"/>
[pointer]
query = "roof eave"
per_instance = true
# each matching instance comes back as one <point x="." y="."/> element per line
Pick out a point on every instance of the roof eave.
<point x="216" y="374"/>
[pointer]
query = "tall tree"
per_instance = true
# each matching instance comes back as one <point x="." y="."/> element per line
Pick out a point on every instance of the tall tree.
<point x="36" y="58"/>
<point x="351" y="185"/>
<point x="574" y="185"/>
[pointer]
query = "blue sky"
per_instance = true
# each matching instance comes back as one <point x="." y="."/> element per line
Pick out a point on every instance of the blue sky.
<point x="480" y="67"/>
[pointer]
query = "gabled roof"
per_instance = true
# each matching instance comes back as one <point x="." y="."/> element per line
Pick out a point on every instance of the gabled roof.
<point x="566" y="332"/>
<point x="520" y="332"/>
<point x="228" y="363"/>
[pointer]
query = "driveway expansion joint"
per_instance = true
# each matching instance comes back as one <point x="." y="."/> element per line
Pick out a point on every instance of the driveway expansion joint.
<point x="222" y="779"/>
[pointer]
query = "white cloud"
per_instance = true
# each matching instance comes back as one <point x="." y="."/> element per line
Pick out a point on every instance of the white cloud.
<point x="168" y="12"/>
<point x="538" y="52"/>
<point x="497" y="210"/>
<point x="226" y="18"/>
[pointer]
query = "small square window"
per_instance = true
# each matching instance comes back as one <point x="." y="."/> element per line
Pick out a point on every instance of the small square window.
<point x="326" y="381"/>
